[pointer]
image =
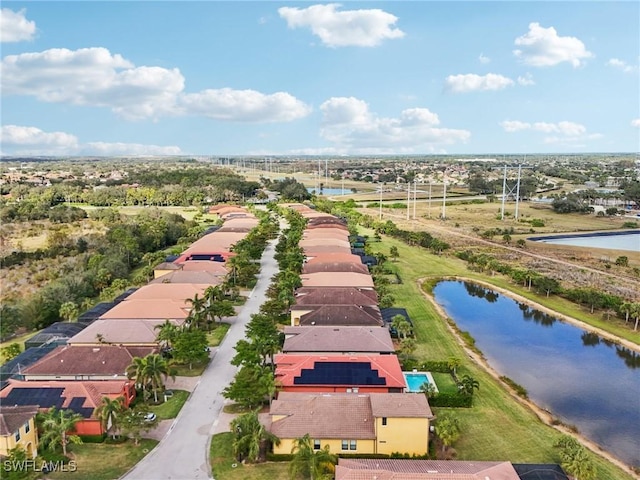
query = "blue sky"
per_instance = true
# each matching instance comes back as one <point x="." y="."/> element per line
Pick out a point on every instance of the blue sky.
<point x="350" y="78"/>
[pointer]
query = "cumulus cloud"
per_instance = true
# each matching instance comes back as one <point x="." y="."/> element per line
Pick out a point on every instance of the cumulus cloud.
<point x="484" y="59"/>
<point x="526" y="80"/>
<point x="23" y="140"/>
<point x="350" y="125"/>
<point x="471" y="82"/>
<point x="635" y="122"/>
<point x="621" y="65"/>
<point x="14" y="27"/>
<point x="563" y="128"/>
<point x="360" y="28"/>
<point x="244" y="105"/>
<point x="96" y="77"/>
<point x="542" y="47"/>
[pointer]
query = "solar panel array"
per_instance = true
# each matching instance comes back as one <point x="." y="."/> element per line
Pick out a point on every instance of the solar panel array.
<point x="76" y="405"/>
<point x="44" y="397"/>
<point x="202" y="256"/>
<point x="339" y="373"/>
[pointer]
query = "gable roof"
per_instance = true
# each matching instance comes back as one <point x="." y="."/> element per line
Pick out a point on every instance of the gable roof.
<point x="320" y="241"/>
<point x="337" y="339"/>
<point x="87" y="360"/>
<point x="339" y="370"/>
<point x="165" y="291"/>
<point x="329" y="315"/>
<point x="334" y="257"/>
<point x="396" y="469"/>
<point x="335" y="267"/>
<point x="120" y="332"/>
<point x="336" y="279"/>
<point x="13" y="417"/>
<point x="316" y="226"/>
<point x="412" y="405"/>
<point x="322" y="416"/>
<point x="313" y="250"/>
<point x="216" y="268"/>
<point x="325" y="233"/>
<point x="187" y="276"/>
<point x="80" y="396"/>
<point x="335" y="296"/>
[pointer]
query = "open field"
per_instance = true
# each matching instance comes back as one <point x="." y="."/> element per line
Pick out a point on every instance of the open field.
<point x="498" y="426"/>
<point x="102" y="461"/>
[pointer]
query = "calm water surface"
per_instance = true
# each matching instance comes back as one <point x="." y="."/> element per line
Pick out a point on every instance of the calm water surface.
<point x="628" y="241"/>
<point x="581" y="378"/>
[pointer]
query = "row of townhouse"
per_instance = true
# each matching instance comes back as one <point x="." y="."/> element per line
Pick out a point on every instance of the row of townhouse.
<point x="74" y="368"/>
<point x="341" y="383"/>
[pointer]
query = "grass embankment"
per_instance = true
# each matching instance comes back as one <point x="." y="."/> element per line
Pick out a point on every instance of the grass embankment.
<point x="498" y="427"/>
<point x="101" y="461"/>
<point x="223" y="461"/>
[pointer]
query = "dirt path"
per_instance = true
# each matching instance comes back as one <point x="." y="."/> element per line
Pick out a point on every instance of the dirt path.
<point x="544" y="416"/>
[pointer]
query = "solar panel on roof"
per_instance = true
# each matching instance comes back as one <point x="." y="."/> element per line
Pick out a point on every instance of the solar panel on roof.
<point x="42" y="396"/>
<point x="339" y="373"/>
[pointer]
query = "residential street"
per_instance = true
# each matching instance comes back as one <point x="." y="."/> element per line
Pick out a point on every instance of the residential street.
<point x="183" y="453"/>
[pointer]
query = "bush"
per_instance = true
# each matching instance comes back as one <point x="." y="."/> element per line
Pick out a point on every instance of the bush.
<point x="439" y="366"/>
<point x="452" y="400"/>
<point x="519" y="389"/>
<point x="279" y="457"/>
<point x="93" y="438"/>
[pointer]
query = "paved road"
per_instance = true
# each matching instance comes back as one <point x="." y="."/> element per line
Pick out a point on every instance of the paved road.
<point x="183" y="454"/>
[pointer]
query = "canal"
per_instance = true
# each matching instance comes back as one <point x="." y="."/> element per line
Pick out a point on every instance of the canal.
<point x="583" y="379"/>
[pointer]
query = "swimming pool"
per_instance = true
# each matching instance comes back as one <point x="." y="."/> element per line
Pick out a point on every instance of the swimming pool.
<point x="416" y="379"/>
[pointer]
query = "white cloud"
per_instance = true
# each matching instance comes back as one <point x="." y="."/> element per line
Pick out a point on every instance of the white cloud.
<point x="526" y="81"/>
<point x="96" y="77"/>
<point x="542" y="47"/>
<point x="471" y="82"/>
<point x="352" y="128"/>
<point x="562" y="128"/>
<point x="484" y="59"/>
<point x="635" y="122"/>
<point x="360" y="28"/>
<point x="14" y="27"/>
<point x="244" y="105"/>
<point x="22" y="140"/>
<point x="621" y="65"/>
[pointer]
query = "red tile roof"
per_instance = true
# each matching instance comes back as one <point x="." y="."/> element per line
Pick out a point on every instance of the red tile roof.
<point x="317" y="267"/>
<point x="336" y="279"/>
<point x="345" y="315"/>
<point x="337" y="339"/>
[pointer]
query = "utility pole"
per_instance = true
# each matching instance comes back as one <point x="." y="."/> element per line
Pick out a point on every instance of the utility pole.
<point x="504" y="191"/>
<point x="444" y="200"/>
<point x="380" y="204"/>
<point x="408" y="198"/>
<point x="518" y="192"/>
<point x="429" y="198"/>
<point x="415" y="193"/>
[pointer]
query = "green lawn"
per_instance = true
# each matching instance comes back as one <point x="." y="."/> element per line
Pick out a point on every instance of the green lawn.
<point x="223" y="461"/>
<point x="497" y="427"/>
<point x="444" y="382"/>
<point x="182" y="370"/>
<point x="172" y="406"/>
<point x="216" y="336"/>
<point x="101" y="461"/>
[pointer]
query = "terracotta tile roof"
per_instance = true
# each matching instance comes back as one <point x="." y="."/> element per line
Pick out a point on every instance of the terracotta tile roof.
<point x="327" y="225"/>
<point x="396" y="405"/>
<point x="335" y="267"/>
<point x="87" y="360"/>
<point x="334" y="257"/>
<point x="217" y="268"/>
<point x="216" y="241"/>
<point x="337" y="339"/>
<point x="315" y="242"/>
<point x="197" y="277"/>
<point x="396" y="469"/>
<point x="91" y="392"/>
<point x="120" y="332"/>
<point x="317" y="249"/>
<point x="336" y="279"/>
<point x="168" y="266"/>
<point x="290" y="366"/>
<point x="323" y="416"/>
<point x="223" y="206"/>
<point x="148" y="309"/>
<point x="336" y="296"/>
<point x="326" y="233"/>
<point x="325" y="219"/>
<point x="346" y="315"/>
<point x="12" y="418"/>
<point x="166" y="291"/>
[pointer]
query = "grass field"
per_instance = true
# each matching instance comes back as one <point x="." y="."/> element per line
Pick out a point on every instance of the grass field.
<point x="172" y="406"/>
<point x="497" y="427"/>
<point x="101" y="461"/>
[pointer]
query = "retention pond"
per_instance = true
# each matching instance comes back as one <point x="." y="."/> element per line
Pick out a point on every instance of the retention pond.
<point x="581" y="378"/>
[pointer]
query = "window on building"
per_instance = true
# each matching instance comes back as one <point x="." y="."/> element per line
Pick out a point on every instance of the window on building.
<point x="345" y="444"/>
<point x="18" y="436"/>
<point x="353" y="445"/>
<point x="26" y="427"/>
<point x="384" y="420"/>
<point x="316" y="444"/>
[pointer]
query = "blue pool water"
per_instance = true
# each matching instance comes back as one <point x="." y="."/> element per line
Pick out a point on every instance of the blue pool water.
<point x="415" y="380"/>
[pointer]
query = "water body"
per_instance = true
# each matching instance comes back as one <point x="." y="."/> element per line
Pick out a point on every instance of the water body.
<point x="629" y="241"/>
<point x="580" y="377"/>
<point x="329" y="191"/>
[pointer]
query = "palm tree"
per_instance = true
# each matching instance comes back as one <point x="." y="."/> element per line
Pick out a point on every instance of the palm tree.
<point x="635" y="313"/>
<point x="467" y="385"/>
<point x="448" y="429"/>
<point x="249" y="436"/>
<point x="313" y="464"/>
<point x="68" y="311"/>
<point x="401" y="325"/>
<point x="167" y="333"/>
<point x="137" y="370"/>
<point x="198" y="306"/>
<point x="453" y="363"/>
<point x="626" y="308"/>
<point x="56" y="425"/>
<point x="156" y="370"/>
<point x="109" y="413"/>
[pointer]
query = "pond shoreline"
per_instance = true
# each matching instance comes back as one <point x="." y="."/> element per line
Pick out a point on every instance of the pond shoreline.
<point x="543" y="415"/>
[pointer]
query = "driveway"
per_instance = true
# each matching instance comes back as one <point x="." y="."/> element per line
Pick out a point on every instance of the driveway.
<point x="183" y="452"/>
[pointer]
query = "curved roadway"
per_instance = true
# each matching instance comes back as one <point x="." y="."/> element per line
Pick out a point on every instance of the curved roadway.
<point x="183" y="453"/>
